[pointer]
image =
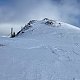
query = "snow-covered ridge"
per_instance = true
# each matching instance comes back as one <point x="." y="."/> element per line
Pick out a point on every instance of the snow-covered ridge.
<point x="36" y="23"/>
<point x="43" y="25"/>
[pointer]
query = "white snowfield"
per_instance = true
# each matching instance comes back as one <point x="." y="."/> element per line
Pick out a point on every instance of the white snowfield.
<point x="49" y="50"/>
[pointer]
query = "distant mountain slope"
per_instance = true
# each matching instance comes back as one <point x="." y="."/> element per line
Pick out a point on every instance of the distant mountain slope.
<point x="42" y="50"/>
<point x="44" y="26"/>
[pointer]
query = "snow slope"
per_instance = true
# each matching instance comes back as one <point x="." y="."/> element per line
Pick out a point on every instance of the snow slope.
<point x="41" y="51"/>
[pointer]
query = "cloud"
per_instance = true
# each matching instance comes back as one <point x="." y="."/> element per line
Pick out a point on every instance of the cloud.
<point x="70" y="11"/>
<point x="64" y="10"/>
<point x="46" y="9"/>
<point x="21" y="11"/>
<point x="6" y="14"/>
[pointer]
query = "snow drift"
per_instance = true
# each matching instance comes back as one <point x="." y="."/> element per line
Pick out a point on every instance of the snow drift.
<point x="42" y="50"/>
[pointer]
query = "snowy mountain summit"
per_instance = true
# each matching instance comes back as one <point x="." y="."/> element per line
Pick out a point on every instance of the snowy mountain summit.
<point x="35" y="25"/>
<point x="45" y="26"/>
<point x="42" y="50"/>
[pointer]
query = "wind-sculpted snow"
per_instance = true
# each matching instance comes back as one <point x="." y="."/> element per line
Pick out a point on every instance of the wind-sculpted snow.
<point x="41" y="52"/>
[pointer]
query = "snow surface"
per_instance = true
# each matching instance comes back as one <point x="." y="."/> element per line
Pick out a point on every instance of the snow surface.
<point x="43" y="52"/>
